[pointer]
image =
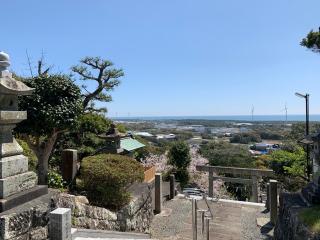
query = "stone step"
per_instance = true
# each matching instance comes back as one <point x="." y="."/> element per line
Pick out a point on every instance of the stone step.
<point x="86" y="234"/>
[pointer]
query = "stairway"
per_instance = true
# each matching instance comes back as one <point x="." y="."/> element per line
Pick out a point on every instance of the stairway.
<point x="88" y="234"/>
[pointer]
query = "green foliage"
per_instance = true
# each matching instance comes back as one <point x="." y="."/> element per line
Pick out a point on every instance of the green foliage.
<point x="54" y="104"/>
<point x="55" y="180"/>
<point x="312" y="41"/>
<point x="104" y="76"/>
<point x="179" y="155"/>
<point x="32" y="158"/>
<point x="93" y="123"/>
<point x="121" y="128"/>
<point x="311" y="217"/>
<point x="245" y="138"/>
<point x="84" y="137"/>
<point x="226" y="154"/>
<point x="106" y="178"/>
<point x="270" y="135"/>
<point x="298" y="130"/>
<point x="289" y="162"/>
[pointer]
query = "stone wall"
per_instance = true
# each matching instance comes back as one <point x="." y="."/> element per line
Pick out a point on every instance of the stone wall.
<point x="136" y="216"/>
<point x="30" y="221"/>
<point x="288" y="225"/>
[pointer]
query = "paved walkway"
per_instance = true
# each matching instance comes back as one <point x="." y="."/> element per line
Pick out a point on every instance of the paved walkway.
<point x="232" y="221"/>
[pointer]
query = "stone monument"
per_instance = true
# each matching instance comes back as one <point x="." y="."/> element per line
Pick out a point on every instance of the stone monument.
<point x="17" y="184"/>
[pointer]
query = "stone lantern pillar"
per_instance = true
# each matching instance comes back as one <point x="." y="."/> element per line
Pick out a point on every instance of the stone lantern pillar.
<point x="17" y="184"/>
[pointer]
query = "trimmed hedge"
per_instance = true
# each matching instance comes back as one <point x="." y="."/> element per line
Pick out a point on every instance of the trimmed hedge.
<point x="106" y="178"/>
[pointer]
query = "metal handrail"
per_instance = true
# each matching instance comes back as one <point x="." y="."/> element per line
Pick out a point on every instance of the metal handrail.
<point x="205" y="220"/>
<point x="207" y="203"/>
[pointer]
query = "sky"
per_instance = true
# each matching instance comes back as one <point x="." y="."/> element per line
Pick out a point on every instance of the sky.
<point x="180" y="57"/>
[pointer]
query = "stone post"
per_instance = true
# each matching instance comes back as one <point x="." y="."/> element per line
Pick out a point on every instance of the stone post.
<point x="254" y="188"/>
<point x="194" y="219"/>
<point x="60" y="224"/>
<point x="158" y="193"/>
<point x="172" y="186"/>
<point x="210" y="184"/>
<point x="273" y="192"/>
<point x="69" y="167"/>
<point x="268" y="197"/>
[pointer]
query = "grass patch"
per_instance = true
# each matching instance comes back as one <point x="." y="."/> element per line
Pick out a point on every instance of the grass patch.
<point x="311" y="217"/>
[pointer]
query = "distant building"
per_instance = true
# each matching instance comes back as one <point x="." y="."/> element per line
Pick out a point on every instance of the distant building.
<point x="143" y="134"/>
<point x="166" y="137"/>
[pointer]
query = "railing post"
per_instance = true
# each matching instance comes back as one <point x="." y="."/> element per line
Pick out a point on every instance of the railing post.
<point x="158" y="193"/>
<point x="210" y="183"/>
<point x="254" y="188"/>
<point x="273" y="192"/>
<point x="268" y="197"/>
<point x="207" y="228"/>
<point x="194" y="219"/>
<point x="172" y="186"/>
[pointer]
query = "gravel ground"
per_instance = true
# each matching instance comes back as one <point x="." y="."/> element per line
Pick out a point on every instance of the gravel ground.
<point x="167" y="227"/>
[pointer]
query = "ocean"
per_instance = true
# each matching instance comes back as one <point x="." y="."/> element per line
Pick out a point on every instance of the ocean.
<point x="247" y="118"/>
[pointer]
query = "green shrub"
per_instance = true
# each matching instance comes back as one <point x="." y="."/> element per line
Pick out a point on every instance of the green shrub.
<point x="32" y="158"/>
<point x="179" y="157"/>
<point x="55" y="180"/>
<point x="106" y="178"/>
<point x="311" y="217"/>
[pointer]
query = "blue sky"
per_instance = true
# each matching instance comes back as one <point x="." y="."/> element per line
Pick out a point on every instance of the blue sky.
<point x="180" y="57"/>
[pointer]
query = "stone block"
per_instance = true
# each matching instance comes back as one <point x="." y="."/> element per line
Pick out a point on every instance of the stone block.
<point x="17" y="183"/>
<point x="10" y="148"/>
<point x="12" y="117"/>
<point x="13" y="165"/>
<point x="60" y="224"/>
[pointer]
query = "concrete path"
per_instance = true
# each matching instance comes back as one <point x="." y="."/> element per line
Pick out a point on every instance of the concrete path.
<point x="232" y="221"/>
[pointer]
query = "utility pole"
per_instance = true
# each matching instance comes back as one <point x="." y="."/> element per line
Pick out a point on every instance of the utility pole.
<point x="306" y="97"/>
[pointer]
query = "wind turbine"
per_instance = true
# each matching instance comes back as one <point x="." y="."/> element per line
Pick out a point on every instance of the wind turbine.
<point x="286" y="111"/>
<point x="252" y="112"/>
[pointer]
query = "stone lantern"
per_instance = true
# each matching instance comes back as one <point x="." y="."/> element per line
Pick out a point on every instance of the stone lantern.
<point x="17" y="184"/>
<point x="112" y="141"/>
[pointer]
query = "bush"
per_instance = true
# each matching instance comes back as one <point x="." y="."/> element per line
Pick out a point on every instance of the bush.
<point x="106" y="178"/>
<point x="55" y="180"/>
<point x="228" y="155"/>
<point x="245" y="138"/>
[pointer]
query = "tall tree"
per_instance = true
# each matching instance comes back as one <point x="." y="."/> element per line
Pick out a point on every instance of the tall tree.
<point x="103" y="74"/>
<point x="312" y="41"/>
<point x="52" y="108"/>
